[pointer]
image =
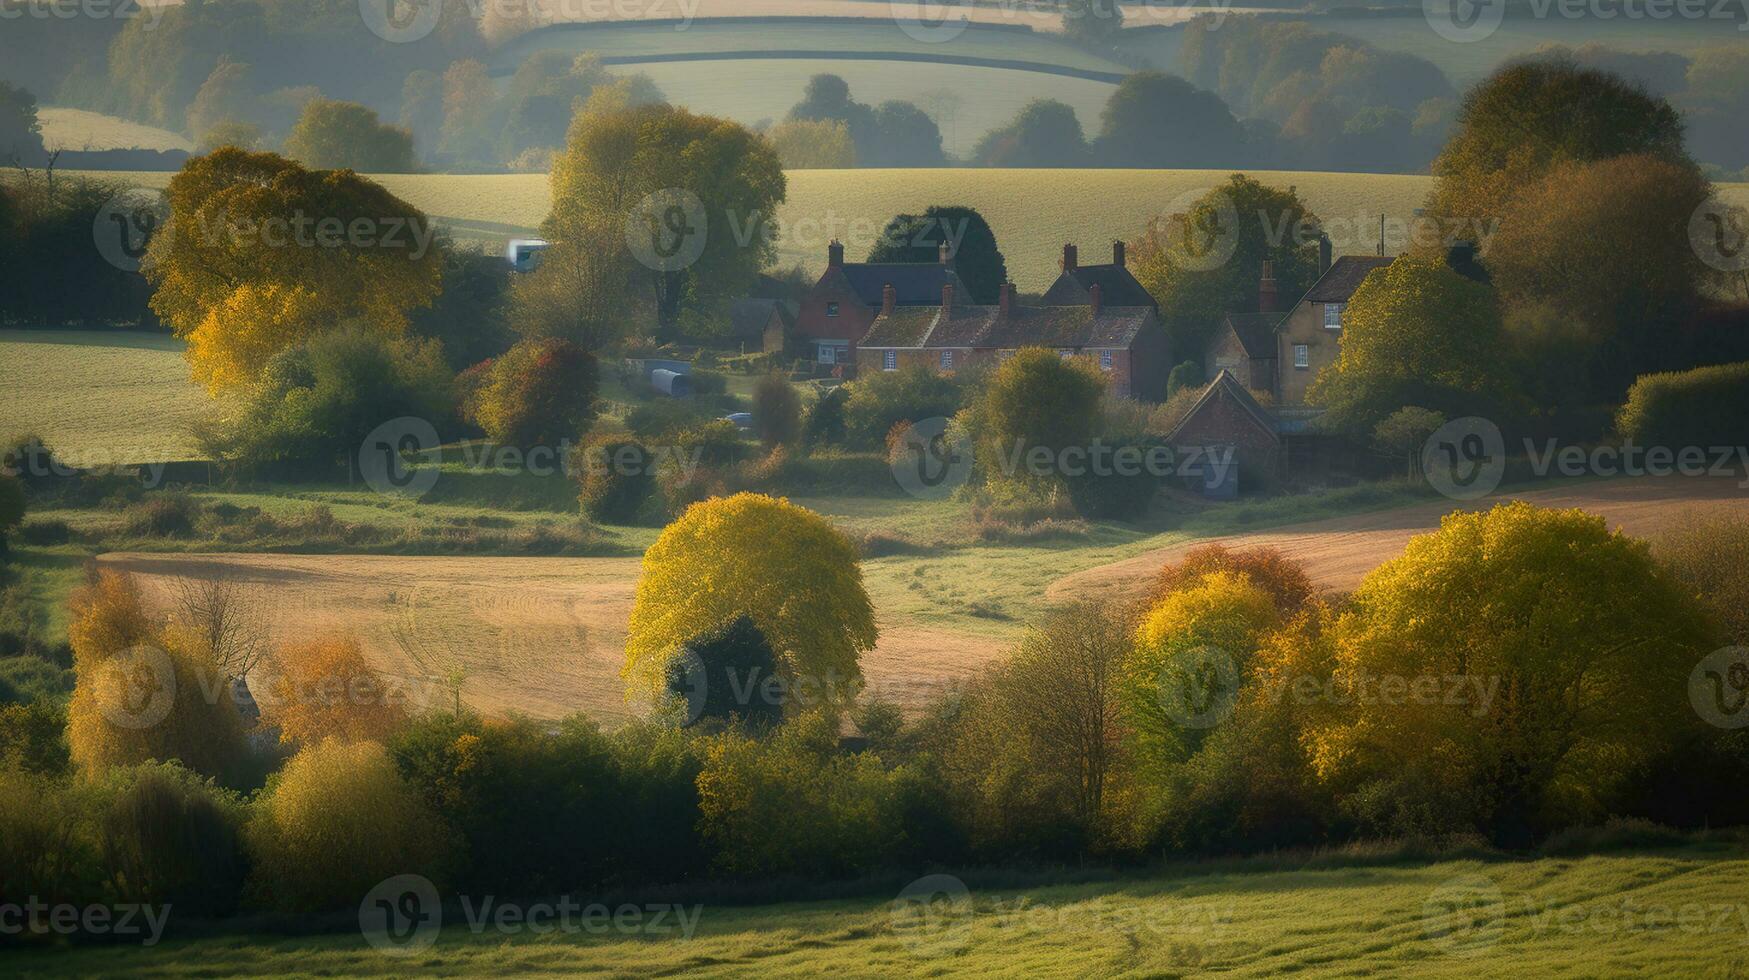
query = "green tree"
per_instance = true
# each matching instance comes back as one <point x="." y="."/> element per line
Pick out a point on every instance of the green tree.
<point x="1414" y="333"/>
<point x="11" y="507"/>
<point x="1159" y="120"/>
<point x="721" y="674"/>
<point x="1036" y="400"/>
<point x="1097" y="22"/>
<point x="1526" y="119"/>
<point x="618" y="479"/>
<point x="918" y="238"/>
<point x="1574" y="646"/>
<point x="788" y="569"/>
<point x="1046" y="133"/>
<point x="813" y="144"/>
<point x="540" y="393"/>
<point x="904" y="136"/>
<point x="679" y="185"/>
<point x="21" y="141"/>
<point x="876" y="403"/>
<point x="1184" y="262"/>
<point x="333" y="135"/>
<point x="777" y="411"/>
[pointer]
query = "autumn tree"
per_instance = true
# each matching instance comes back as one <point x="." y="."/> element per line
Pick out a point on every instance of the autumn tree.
<point x="1607" y="245"/>
<point x="1286" y="581"/>
<point x="1207" y="261"/>
<point x="813" y="144"/>
<point x="917" y="238"/>
<point x="1414" y="333"/>
<point x="261" y="254"/>
<point x="324" y="688"/>
<point x="788" y="569"/>
<point x="334" y="135"/>
<point x="1528" y="118"/>
<point x="144" y="691"/>
<point x="689" y="197"/>
<point x="540" y="393"/>
<point x="228" y="614"/>
<point x="1573" y="650"/>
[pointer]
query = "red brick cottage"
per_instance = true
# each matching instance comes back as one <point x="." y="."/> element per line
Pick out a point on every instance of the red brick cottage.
<point x="843" y="304"/>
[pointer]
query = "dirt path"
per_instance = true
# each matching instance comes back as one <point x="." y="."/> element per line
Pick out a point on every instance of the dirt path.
<point x="544" y="637"/>
<point x="1339" y="551"/>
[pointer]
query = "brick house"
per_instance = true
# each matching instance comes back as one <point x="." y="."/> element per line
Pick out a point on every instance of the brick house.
<point x="1074" y="285"/>
<point x="1127" y="343"/>
<point x="757" y="325"/>
<point x="1227" y="416"/>
<point x="841" y="307"/>
<point x="1310" y="336"/>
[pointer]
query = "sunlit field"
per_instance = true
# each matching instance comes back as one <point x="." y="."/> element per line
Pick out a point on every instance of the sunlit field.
<point x="101" y="397"/>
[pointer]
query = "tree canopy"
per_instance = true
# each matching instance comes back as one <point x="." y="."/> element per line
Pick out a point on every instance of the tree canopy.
<point x="334" y="135"/>
<point x="1159" y="120"/>
<point x="1046" y="133"/>
<point x="917" y="238"/>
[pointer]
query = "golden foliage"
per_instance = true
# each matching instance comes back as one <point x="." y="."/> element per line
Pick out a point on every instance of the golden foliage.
<point x="1267" y="568"/>
<point x="324" y="689"/>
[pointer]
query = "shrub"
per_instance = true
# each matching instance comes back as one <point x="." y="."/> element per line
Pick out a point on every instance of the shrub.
<point x="1186" y="376"/>
<point x="333" y="823"/>
<point x="1122" y="490"/>
<point x="1709" y="554"/>
<point x="170" y="515"/>
<point x="33" y="738"/>
<point x="30" y="460"/>
<point x="873" y="405"/>
<point x="48" y="847"/>
<point x="825" y="423"/>
<point x="708" y="383"/>
<point x="618" y="479"/>
<point x="723" y="674"/>
<point x="45" y="533"/>
<point x="325" y="689"/>
<point x="1036" y="400"/>
<point x="11" y="507"/>
<point x="1283" y="578"/>
<point x="1703" y="407"/>
<point x="540" y="393"/>
<point x="788" y="569"/>
<point x="171" y="837"/>
<point x="777" y="411"/>
<point x="663" y="419"/>
<point x="143" y="692"/>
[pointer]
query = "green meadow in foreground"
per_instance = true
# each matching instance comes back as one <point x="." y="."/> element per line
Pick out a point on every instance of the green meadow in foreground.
<point x="1682" y="912"/>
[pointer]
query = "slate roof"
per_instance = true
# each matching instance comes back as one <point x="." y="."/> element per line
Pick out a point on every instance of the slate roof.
<point x="1225" y="383"/>
<point x="748" y="317"/>
<point x="1256" y="332"/>
<point x="971" y="326"/>
<point x="1116" y="285"/>
<point x="1344" y="277"/>
<point x="916" y="283"/>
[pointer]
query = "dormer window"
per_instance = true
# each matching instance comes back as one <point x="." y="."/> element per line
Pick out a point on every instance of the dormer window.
<point x="831" y="309"/>
<point x="1333" y="316"/>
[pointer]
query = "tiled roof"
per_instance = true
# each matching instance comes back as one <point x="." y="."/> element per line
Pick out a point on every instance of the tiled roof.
<point x="1227" y="384"/>
<point x="916" y="283"/>
<point x="1256" y="332"/>
<point x="1344" y="277"/>
<point x="748" y="317"/>
<point x="1117" y="287"/>
<point x="985" y="327"/>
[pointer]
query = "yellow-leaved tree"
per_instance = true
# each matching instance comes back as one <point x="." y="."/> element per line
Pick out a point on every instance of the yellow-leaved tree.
<point x="1512" y="669"/>
<point x="261" y="253"/>
<point x="325" y="688"/>
<point x="787" y="568"/>
<point x="144" y="691"/>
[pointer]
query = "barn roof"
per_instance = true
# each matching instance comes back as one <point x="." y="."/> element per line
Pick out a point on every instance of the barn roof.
<point x="1226" y="384"/>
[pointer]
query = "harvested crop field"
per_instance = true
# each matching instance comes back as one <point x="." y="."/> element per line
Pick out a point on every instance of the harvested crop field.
<point x="544" y="637"/>
<point x="1338" y="552"/>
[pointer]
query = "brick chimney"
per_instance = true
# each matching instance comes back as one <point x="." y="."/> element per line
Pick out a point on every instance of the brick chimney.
<point x="1117" y="254"/>
<point x="835" y="255"/>
<point x="947" y="296"/>
<point x="1324" y="256"/>
<point x="889" y="299"/>
<point x="1007" y="300"/>
<point x="945" y="253"/>
<point x="1266" y="289"/>
<point x="1098" y="297"/>
<point x="1070" y="261"/>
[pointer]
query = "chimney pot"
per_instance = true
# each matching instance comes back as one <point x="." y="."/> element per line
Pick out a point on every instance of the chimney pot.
<point x="1070" y="260"/>
<point x="1266" y="289"/>
<point x="889" y="299"/>
<point x="947" y="296"/>
<point x="945" y="253"/>
<point x="1007" y="299"/>
<point x="1324" y="254"/>
<point x="835" y="255"/>
<point x="1117" y="254"/>
<point x="1098" y="296"/>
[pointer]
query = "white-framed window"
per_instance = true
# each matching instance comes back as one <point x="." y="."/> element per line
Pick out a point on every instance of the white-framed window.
<point x="1302" y="356"/>
<point x="947" y="360"/>
<point x="890" y="360"/>
<point x="1105" y="360"/>
<point x="1065" y="353"/>
<point x="1332" y="316"/>
<point x="834" y="352"/>
<point x="831" y="309"/>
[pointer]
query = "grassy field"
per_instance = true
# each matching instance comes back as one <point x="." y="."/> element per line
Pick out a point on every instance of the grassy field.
<point x="1677" y="912"/>
<point x="77" y="129"/>
<point x="100" y="397"/>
